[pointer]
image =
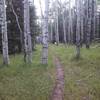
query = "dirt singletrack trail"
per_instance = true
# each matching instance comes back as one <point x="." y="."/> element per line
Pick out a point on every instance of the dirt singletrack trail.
<point x="58" y="91"/>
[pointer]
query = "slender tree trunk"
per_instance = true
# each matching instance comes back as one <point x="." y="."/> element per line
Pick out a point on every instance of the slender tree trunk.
<point x="51" y="32"/>
<point x="17" y="20"/>
<point x="69" y="24"/>
<point x="64" y="29"/>
<point x="70" y="29"/>
<point x="94" y="17"/>
<point x="89" y="20"/>
<point x="57" y="34"/>
<point x="4" y="32"/>
<point x="45" y="34"/>
<point x="97" y="25"/>
<point x="27" y="34"/>
<point x="78" y="29"/>
<point x="82" y="16"/>
<point x="55" y="28"/>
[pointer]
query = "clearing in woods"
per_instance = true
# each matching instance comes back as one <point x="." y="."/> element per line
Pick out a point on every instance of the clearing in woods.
<point x="21" y="81"/>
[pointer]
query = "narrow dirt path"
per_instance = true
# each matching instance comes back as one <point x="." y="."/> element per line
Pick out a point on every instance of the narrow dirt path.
<point x="58" y="91"/>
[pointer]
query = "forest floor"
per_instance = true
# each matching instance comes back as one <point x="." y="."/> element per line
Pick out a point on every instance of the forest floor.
<point x="82" y="77"/>
<point x="58" y="91"/>
<point x="21" y="81"/>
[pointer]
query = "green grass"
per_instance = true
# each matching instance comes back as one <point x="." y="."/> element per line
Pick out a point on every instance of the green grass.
<point x="82" y="77"/>
<point x="20" y="81"/>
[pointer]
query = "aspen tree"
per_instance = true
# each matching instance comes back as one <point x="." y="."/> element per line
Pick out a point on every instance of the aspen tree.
<point x="51" y="31"/>
<point x="70" y="29"/>
<point x="57" y="24"/>
<point x="27" y="34"/>
<point x="4" y="32"/>
<point x="78" y="29"/>
<point x="89" y="20"/>
<point x="45" y="34"/>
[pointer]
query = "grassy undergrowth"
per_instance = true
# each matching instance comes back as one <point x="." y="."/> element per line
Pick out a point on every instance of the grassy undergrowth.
<point x="82" y="77"/>
<point x="20" y="81"/>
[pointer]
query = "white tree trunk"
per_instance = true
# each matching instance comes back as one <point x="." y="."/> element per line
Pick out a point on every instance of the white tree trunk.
<point x="57" y="34"/>
<point x="45" y="34"/>
<point x="64" y="29"/>
<point x="4" y="32"/>
<point x="78" y="29"/>
<point x="27" y="34"/>
<point x="51" y="32"/>
<point x="82" y="19"/>
<point x="70" y="29"/>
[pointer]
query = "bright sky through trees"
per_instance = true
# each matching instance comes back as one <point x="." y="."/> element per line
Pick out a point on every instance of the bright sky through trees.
<point x="37" y="5"/>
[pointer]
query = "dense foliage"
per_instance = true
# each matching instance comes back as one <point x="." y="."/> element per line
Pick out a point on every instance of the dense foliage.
<point x="15" y="23"/>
